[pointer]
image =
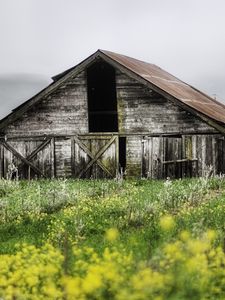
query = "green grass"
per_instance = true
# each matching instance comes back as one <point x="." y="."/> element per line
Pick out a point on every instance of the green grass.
<point x="39" y="211"/>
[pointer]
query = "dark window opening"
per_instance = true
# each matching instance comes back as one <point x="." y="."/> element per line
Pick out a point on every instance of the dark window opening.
<point x="122" y="154"/>
<point x="102" y="104"/>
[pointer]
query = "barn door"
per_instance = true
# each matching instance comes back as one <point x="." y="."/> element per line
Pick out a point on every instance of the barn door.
<point x="94" y="156"/>
<point x="152" y="157"/>
<point x="172" y="157"/>
<point x="27" y="158"/>
<point x="168" y="157"/>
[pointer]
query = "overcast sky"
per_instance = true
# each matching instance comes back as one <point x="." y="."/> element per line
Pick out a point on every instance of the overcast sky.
<point x="40" y="38"/>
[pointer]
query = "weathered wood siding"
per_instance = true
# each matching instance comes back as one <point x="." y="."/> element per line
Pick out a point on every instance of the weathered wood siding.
<point x="65" y="111"/>
<point x="134" y="156"/>
<point x="63" y="167"/>
<point x="62" y="112"/>
<point x="142" y="110"/>
<point x="185" y="156"/>
<point x="144" y="118"/>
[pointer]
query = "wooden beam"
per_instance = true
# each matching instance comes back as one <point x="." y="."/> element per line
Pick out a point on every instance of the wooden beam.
<point x="179" y="161"/>
<point x="103" y="135"/>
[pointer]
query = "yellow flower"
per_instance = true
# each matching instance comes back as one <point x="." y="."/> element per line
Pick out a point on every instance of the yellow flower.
<point x="210" y="235"/>
<point x="72" y="287"/>
<point x="184" y="235"/>
<point x="167" y="223"/>
<point x="92" y="282"/>
<point x="112" y="234"/>
<point x="50" y="290"/>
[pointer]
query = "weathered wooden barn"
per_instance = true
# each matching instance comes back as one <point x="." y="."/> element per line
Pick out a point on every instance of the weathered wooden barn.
<point x="113" y="112"/>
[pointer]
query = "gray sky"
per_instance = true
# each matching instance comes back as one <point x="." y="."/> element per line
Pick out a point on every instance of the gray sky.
<point x="40" y="38"/>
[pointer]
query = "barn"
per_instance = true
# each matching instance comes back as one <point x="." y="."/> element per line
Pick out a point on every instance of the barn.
<point x="114" y="113"/>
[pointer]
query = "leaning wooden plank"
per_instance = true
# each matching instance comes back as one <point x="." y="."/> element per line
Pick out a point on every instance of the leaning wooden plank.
<point x="178" y="161"/>
<point x="18" y="155"/>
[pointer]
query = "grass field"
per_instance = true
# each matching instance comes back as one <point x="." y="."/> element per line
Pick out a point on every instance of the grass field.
<point x="65" y="239"/>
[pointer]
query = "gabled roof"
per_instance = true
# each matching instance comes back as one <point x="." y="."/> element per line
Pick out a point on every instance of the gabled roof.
<point x="151" y="75"/>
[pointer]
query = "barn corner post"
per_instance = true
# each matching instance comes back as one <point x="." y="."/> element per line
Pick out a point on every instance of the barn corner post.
<point x="113" y="113"/>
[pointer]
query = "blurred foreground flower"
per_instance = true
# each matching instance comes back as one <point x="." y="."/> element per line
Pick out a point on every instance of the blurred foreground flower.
<point x="167" y="223"/>
<point x="111" y="234"/>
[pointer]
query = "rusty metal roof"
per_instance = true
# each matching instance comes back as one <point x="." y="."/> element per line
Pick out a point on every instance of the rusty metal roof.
<point x="185" y="94"/>
<point x="172" y="85"/>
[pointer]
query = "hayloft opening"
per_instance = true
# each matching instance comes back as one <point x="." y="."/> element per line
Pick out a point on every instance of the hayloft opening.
<point x="102" y="104"/>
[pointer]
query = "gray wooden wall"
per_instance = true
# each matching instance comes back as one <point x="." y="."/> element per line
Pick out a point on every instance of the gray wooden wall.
<point x="142" y="110"/>
<point x="144" y="118"/>
<point x="63" y="112"/>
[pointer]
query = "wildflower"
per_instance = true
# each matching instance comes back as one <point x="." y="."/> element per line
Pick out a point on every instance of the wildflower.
<point x="167" y="223"/>
<point x="184" y="235"/>
<point x="72" y="287"/>
<point x="210" y="235"/>
<point x="112" y="234"/>
<point x="92" y="281"/>
<point x="197" y="246"/>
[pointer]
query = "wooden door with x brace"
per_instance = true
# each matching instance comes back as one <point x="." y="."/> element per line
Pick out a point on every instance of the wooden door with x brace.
<point x="27" y="158"/>
<point x="94" y="156"/>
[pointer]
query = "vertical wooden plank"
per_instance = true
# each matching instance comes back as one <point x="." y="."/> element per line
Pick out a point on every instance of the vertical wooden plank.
<point x="149" y="158"/>
<point x="63" y="157"/>
<point x="204" y="165"/>
<point x="214" y="155"/>
<point x="194" y="156"/>
<point x="160" y="157"/>
<point x="199" y="155"/>
<point x="208" y="152"/>
<point x="134" y="156"/>
<point x="178" y="168"/>
<point x="169" y="156"/>
<point x="73" y="156"/>
<point x="145" y="154"/>
<point x="1" y="162"/>
<point x="8" y="158"/>
<point x="52" y="157"/>
<point x="156" y="157"/>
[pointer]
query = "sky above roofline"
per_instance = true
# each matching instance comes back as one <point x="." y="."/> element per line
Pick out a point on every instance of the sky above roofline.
<point x="40" y="39"/>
